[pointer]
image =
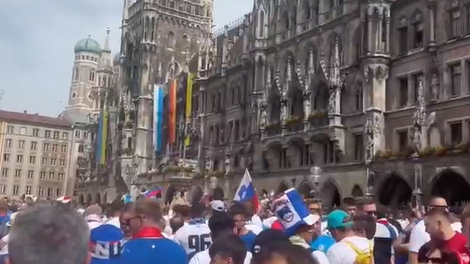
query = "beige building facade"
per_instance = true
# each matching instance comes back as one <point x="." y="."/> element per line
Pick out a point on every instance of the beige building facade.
<point x="35" y="155"/>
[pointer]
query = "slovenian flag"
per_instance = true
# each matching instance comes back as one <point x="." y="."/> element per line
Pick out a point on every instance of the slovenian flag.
<point x="153" y="193"/>
<point x="246" y="191"/>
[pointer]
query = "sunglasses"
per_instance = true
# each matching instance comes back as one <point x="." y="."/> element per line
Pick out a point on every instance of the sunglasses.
<point x="127" y="222"/>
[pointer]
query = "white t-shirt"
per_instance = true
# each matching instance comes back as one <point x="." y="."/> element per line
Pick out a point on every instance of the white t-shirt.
<point x="204" y="258"/>
<point x="321" y="257"/>
<point x="419" y="236"/>
<point x="343" y="253"/>
<point x="114" y="221"/>
<point x="194" y="238"/>
<point x="255" y="225"/>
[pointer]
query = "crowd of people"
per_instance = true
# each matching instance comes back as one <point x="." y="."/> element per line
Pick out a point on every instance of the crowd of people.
<point x="287" y="229"/>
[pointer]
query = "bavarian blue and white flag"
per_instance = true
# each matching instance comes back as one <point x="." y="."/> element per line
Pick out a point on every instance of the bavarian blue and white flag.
<point x="292" y="212"/>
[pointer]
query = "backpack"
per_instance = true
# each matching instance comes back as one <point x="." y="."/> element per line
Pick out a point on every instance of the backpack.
<point x="363" y="256"/>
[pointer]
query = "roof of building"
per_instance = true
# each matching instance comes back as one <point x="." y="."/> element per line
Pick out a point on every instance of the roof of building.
<point x="87" y="45"/>
<point x="35" y="119"/>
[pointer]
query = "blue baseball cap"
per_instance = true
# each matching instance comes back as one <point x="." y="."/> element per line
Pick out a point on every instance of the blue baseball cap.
<point x="106" y="244"/>
<point x="338" y="219"/>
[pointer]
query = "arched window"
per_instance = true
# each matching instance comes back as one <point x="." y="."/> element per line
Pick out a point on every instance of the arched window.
<point x="285" y="17"/>
<point x="146" y="28"/>
<point x="75" y="73"/>
<point x="92" y="75"/>
<point x="307" y="10"/>
<point x="358" y="98"/>
<point x="261" y="24"/>
<point x="104" y="81"/>
<point x="152" y="30"/>
<point x="171" y="38"/>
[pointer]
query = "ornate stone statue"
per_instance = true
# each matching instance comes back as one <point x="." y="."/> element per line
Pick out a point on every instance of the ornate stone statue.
<point x="416" y="137"/>
<point x="332" y="102"/>
<point x="263" y="118"/>
<point x="435" y="86"/>
<point x="307" y="107"/>
<point x="369" y="139"/>
<point x="283" y="115"/>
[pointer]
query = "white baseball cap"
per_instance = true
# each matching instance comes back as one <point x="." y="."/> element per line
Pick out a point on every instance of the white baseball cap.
<point x="218" y="206"/>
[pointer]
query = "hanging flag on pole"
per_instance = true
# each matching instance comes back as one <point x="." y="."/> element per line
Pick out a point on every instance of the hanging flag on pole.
<point x="246" y="191"/>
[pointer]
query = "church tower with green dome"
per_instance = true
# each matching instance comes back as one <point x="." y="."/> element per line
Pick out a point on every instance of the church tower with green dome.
<point x="92" y="73"/>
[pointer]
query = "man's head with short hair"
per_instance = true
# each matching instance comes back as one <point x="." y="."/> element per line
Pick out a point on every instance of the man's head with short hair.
<point x="176" y="223"/>
<point x="349" y="205"/>
<point x="197" y="210"/>
<point x="438" y="222"/>
<point x="284" y="252"/>
<point x="229" y="249"/>
<point x="182" y="210"/>
<point x="239" y="214"/>
<point x="221" y="224"/>
<point x="314" y="206"/>
<point x="115" y="207"/>
<point x="367" y="205"/>
<point x="49" y="232"/>
<point x="437" y="201"/>
<point x="146" y="212"/>
<point x="364" y="225"/>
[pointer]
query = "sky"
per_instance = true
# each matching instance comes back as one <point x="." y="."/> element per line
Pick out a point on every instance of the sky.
<point x="37" y="39"/>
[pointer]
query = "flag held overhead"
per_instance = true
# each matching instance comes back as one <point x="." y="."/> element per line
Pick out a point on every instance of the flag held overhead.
<point x="246" y="191"/>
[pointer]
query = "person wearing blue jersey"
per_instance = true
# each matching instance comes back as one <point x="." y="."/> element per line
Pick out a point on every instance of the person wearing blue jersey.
<point x="106" y="244"/>
<point x="148" y="245"/>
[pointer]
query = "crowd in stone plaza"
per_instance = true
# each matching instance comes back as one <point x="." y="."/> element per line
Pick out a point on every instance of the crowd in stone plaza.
<point x="285" y="229"/>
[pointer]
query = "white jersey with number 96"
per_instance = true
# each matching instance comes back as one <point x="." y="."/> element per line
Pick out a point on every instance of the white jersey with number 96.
<point x="194" y="238"/>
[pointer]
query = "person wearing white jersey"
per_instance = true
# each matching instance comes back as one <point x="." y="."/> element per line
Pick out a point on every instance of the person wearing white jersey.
<point x="221" y="225"/>
<point x="195" y="236"/>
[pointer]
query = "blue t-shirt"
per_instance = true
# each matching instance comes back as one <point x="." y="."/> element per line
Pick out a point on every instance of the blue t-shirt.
<point x="153" y="250"/>
<point x="322" y="243"/>
<point x="249" y="240"/>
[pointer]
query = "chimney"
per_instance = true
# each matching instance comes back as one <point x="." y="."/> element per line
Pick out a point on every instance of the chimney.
<point x="25" y="112"/>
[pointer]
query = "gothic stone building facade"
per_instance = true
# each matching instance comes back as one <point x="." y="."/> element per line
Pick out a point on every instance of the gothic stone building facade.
<point x="373" y="92"/>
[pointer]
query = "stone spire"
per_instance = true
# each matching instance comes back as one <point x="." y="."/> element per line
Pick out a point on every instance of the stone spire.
<point x="106" y="47"/>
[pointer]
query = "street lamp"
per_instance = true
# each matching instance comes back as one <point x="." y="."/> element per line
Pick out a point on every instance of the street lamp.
<point x="315" y="175"/>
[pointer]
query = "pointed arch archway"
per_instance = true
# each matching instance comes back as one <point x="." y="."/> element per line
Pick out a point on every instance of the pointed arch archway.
<point x="97" y="197"/>
<point x="282" y="187"/>
<point x="81" y="199"/>
<point x="305" y="189"/>
<point x="357" y="191"/>
<point x="218" y="193"/>
<point x="330" y="195"/>
<point x="452" y="186"/>
<point x="169" y="194"/>
<point x="105" y="198"/>
<point x="89" y="198"/>
<point x="394" y="191"/>
<point x="196" y="194"/>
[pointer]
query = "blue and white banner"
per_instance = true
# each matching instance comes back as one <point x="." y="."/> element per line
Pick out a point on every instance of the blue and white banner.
<point x="292" y="212"/>
<point x="158" y="95"/>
